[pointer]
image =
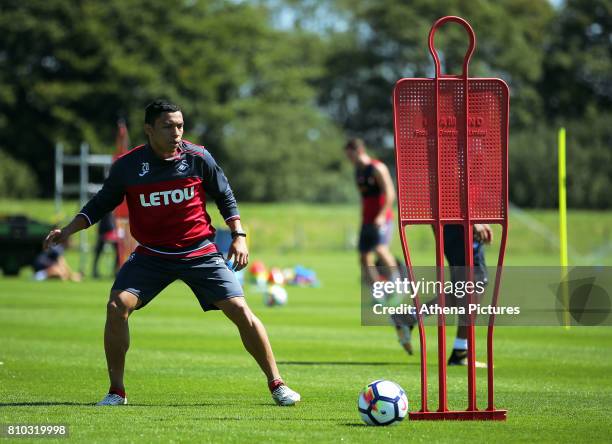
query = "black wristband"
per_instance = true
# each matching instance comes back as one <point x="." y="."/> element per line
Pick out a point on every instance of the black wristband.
<point x="238" y="233"/>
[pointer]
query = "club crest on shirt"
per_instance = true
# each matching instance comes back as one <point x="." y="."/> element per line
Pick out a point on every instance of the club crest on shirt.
<point x="183" y="166"/>
<point x="145" y="169"/>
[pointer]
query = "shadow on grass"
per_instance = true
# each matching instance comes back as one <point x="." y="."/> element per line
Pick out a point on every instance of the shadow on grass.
<point x="92" y="404"/>
<point x="41" y="404"/>
<point x="354" y="424"/>
<point x="199" y="404"/>
<point x="348" y="363"/>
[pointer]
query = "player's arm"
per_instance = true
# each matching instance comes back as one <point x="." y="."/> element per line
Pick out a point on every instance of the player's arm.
<point x="217" y="186"/>
<point x="238" y="251"/>
<point x="104" y="201"/>
<point x="61" y="235"/>
<point x="383" y="179"/>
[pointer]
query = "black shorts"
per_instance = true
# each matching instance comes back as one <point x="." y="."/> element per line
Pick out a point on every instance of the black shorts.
<point x="372" y="236"/>
<point x="208" y="277"/>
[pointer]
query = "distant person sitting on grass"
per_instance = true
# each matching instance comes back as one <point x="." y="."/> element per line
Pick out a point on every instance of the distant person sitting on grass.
<point x="50" y="264"/>
<point x="166" y="183"/>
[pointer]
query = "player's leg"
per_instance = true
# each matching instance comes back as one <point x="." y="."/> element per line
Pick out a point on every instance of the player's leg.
<point x="253" y="334"/>
<point x="404" y="324"/>
<point x="380" y="244"/>
<point x="382" y="248"/>
<point x="368" y="239"/>
<point x="385" y="255"/>
<point x="139" y="280"/>
<point x="216" y="287"/>
<point x="455" y="256"/>
<point x="117" y="336"/>
<point x="256" y="342"/>
<point x="370" y="275"/>
<point x="369" y="272"/>
<point x="454" y="251"/>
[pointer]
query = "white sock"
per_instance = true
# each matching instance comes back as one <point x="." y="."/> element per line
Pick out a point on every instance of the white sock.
<point x="460" y="344"/>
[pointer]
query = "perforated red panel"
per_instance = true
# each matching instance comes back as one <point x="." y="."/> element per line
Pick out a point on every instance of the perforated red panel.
<point x="488" y="144"/>
<point x="451" y="127"/>
<point x="415" y="149"/>
<point x="415" y="139"/>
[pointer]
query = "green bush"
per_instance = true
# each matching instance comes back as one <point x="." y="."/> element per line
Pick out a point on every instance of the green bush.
<point x="16" y="178"/>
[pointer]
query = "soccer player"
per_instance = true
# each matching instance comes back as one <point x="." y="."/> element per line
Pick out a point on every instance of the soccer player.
<point x="455" y="256"/>
<point x="377" y="196"/>
<point x="164" y="182"/>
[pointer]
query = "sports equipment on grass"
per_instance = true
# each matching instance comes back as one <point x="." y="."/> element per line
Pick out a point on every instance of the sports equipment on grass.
<point x="275" y="295"/>
<point x="382" y="403"/>
<point x="451" y="147"/>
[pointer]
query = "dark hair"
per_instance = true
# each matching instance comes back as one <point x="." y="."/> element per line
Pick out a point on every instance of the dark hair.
<point x="157" y="108"/>
<point x="354" y="144"/>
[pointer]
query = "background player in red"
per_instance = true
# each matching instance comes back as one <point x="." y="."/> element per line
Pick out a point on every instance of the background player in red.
<point x="166" y="183"/>
<point x="377" y="197"/>
<point x="107" y="234"/>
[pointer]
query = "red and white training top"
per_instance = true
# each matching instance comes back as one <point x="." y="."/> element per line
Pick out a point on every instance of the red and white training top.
<point x="166" y="199"/>
<point x="372" y="196"/>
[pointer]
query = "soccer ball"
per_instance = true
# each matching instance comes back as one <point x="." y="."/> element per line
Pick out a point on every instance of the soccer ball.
<point x="275" y="295"/>
<point x="382" y="403"/>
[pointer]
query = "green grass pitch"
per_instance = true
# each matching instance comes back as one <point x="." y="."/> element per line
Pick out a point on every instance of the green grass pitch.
<point x="189" y="380"/>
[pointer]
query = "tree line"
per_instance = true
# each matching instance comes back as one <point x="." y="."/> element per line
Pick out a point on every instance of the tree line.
<point x="273" y="87"/>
